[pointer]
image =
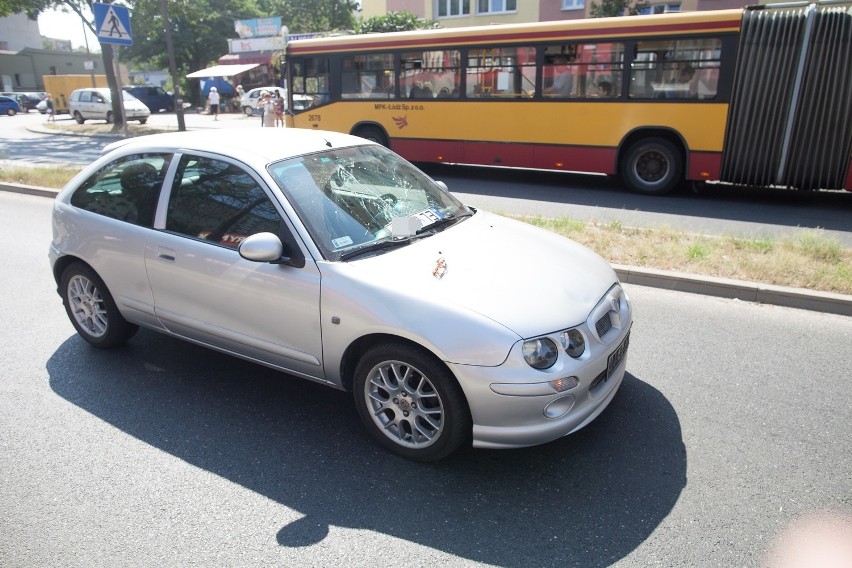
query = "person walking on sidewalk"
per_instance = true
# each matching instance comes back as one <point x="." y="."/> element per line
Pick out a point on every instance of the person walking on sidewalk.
<point x="213" y="98"/>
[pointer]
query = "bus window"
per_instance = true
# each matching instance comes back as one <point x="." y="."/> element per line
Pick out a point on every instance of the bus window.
<point x="368" y="77"/>
<point x="676" y="69"/>
<point x="311" y="79"/>
<point x="501" y="72"/>
<point x="590" y="70"/>
<point x="430" y="74"/>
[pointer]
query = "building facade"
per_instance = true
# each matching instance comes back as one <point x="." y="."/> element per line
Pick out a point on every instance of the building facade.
<point x="460" y="13"/>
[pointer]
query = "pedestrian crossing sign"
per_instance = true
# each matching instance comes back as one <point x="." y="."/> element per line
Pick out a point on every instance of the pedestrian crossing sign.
<point x="112" y="23"/>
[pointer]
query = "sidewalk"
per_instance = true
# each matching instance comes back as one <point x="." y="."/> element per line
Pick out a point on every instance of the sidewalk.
<point x="800" y="298"/>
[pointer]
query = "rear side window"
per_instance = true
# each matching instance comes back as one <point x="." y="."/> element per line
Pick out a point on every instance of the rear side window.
<point x="219" y="202"/>
<point x="126" y="189"/>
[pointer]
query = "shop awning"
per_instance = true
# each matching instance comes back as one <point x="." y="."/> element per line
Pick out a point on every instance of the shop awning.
<point x="260" y="57"/>
<point x="222" y="71"/>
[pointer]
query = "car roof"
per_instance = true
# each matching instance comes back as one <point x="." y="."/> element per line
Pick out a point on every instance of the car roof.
<point x="252" y="145"/>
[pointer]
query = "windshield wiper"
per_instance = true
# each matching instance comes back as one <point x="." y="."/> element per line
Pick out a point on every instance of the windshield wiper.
<point x="442" y="223"/>
<point x="376" y="246"/>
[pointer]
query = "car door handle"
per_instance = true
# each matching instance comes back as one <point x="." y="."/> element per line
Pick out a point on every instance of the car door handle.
<point x="166" y="254"/>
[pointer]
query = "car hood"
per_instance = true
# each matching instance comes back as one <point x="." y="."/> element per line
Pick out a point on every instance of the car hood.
<point x="527" y="279"/>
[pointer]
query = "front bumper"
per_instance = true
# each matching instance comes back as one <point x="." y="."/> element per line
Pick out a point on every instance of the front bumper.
<point x="522" y="416"/>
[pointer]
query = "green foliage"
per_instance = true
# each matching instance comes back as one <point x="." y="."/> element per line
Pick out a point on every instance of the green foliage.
<point x="697" y="252"/>
<point x="611" y="8"/>
<point x="394" y="22"/>
<point x="307" y="16"/>
<point x="31" y="8"/>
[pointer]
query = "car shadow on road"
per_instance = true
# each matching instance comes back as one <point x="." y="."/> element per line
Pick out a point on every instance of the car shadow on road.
<point x="588" y="499"/>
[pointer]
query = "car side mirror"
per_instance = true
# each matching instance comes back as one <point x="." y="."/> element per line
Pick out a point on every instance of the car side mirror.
<point x="267" y="247"/>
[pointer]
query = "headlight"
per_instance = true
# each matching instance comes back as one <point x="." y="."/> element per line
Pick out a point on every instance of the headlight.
<point x="540" y="353"/>
<point x="573" y="342"/>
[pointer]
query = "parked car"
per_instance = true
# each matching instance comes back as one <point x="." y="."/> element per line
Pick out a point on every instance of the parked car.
<point x="331" y="258"/>
<point x="153" y="97"/>
<point x="95" y="103"/>
<point x="9" y="106"/>
<point x="42" y="106"/>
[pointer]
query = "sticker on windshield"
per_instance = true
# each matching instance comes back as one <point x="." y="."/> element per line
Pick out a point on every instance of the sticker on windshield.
<point x="341" y="242"/>
<point x="428" y="216"/>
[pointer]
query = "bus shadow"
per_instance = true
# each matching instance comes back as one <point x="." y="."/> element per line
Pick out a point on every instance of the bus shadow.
<point x="587" y="499"/>
<point x="813" y="210"/>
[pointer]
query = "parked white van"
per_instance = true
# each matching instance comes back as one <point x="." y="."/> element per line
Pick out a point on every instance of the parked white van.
<point x="96" y="103"/>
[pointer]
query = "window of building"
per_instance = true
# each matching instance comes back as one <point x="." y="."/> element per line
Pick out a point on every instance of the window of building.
<point x="658" y="8"/>
<point x="430" y="74"/>
<point x="587" y="70"/>
<point x="496" y="6"/>
<point x="573" y="4"/>
<point x="501" y="72"/>
<point x="679" y="69"/>
<point x="450" y="8"/>
<point x="369" y="76"/>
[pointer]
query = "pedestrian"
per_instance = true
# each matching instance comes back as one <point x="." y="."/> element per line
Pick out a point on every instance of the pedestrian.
<point x="279" y="108"/>
<point x="267" y="106"/>
<point x="213" y="98"/>
<point x="51" y="114"/>
<point x="260" y="106"/>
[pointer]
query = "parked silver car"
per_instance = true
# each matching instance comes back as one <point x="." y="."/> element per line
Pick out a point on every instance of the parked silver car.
<point x="333" y="259"/>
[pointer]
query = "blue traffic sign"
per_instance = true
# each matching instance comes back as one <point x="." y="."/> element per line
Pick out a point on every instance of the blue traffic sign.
<point x="112" y="23"/>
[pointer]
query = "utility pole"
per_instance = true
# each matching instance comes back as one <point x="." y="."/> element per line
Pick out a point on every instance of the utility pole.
<point x="167" y="28"/>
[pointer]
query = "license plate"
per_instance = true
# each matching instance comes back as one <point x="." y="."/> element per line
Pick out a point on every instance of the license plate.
<point x="616" y="357"/>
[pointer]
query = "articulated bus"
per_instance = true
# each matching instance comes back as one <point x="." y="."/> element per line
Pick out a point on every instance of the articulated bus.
<point x="757" y="97"/>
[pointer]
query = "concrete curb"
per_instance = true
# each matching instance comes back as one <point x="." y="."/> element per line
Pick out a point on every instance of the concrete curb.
<point x="826" y="302"/>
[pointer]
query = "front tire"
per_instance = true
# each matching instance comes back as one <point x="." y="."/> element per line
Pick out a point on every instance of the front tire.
<point x="653" y="166"/>
<point x="410" y="402"/>
<point x="143" y="120"/>
<point x="91" y="309"/>
<point x="10" y="111"/>
<point x="248" y="111"/>
<point x="109" y="117"/>
<point x="79" y="117"/>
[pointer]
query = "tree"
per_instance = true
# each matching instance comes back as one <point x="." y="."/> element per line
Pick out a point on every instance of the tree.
<point x="394" y="22"/>
<point x="610" y="8"/>
<point x="33" y="8"/>
<point x="307" y="16"/>
<point x="200" y="30"/>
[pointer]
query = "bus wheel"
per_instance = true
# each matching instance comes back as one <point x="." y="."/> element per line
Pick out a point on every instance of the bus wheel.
<point x="373" y="134"/>
<point x="652" y="166"/>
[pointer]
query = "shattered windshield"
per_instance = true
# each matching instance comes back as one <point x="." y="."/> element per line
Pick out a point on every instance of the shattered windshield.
<point x="355" y="198"/>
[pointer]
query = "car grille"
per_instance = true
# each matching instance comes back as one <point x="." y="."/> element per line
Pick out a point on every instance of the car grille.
<point x="603" y="325"/>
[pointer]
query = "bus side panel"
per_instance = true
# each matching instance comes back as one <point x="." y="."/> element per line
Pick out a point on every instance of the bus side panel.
<point x="848" y="185"/>
<point x="418" y="150"/>
<point x="704" y="166"/>
<point x="499" y="154"/>
<point x="576" y="159"/>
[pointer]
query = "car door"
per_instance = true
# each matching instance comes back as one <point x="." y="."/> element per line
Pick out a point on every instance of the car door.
<point x="206" y="292"/>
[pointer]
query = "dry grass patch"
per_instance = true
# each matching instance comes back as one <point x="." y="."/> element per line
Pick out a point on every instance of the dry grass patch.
<point x="133" y="128"/>
<point x="54" y="178"/>
<point x="808" y="260"/>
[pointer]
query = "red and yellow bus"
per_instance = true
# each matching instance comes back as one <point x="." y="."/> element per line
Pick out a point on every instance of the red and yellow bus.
<point x="760" y="96"/>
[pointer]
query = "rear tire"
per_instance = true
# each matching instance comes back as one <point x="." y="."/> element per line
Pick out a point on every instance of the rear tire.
<point x="91" y="309"/>
<point x="652" y="166"/>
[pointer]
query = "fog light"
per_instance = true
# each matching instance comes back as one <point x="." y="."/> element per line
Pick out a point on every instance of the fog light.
<point x="564" y="384"/>
<point x="560" y="407"/>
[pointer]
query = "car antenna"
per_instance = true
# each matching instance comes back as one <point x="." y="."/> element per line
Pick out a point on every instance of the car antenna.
<point x="327" y="143"/>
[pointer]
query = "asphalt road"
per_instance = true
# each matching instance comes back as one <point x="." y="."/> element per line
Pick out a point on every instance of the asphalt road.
<point x="733" y="422"/>
<point x="715" y="210"/>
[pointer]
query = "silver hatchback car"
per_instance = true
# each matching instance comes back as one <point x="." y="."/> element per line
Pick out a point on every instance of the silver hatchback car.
<point x="333" y="259"/>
